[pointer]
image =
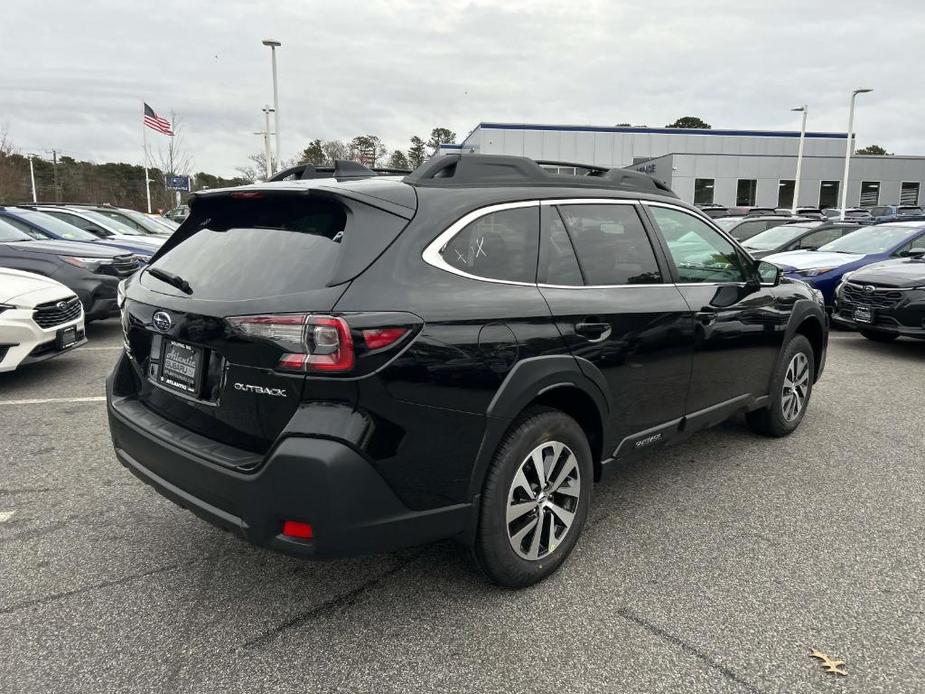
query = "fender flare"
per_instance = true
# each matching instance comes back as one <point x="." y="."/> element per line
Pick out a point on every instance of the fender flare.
<point x="802" y="310"/>
<point x="529" y="379"/>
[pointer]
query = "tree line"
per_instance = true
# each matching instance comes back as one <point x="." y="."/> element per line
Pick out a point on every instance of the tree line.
<point x="67" y="179"/>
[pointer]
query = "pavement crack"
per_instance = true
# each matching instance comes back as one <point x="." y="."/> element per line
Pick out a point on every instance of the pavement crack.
<point x="35" y="532"/>
<point x="28" y="490"/>
<point x="86" y="589"/>
<point x="688" y="648"/>
<point x="344" y="599"/>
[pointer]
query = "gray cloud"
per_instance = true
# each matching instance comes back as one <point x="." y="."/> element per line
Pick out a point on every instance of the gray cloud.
<point x="75" y="74"/>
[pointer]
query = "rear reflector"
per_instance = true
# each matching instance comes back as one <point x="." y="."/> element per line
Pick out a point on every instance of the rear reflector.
<point x="377" y="338"/>
<point x="303" y="531"/>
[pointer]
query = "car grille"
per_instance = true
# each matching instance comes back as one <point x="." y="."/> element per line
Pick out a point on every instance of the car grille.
<point x="880" y="297"/>
<point x="53" y="313"/>
<point x="125" y="264"/>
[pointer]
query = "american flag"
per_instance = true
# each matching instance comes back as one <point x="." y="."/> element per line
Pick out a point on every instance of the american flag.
<point x="155" y="122"/>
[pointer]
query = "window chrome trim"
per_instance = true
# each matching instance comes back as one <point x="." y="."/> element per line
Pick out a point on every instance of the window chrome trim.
<point x="588" y="201"/>
<point x="432" y="253"/>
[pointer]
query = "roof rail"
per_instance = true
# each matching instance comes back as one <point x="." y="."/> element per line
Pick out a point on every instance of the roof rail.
<point x="497" y="169"/>
<point x="342" y="169"/>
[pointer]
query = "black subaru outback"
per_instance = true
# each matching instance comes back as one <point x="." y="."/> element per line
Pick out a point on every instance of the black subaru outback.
<point x="344" y="363"/>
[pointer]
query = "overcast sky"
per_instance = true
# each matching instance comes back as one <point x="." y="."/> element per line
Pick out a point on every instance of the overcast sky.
<point x="75" y="73"/>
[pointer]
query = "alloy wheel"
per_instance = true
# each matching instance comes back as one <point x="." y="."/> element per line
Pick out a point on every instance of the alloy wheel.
<point x="796" y="387"/>
<point x="542" y="500"/>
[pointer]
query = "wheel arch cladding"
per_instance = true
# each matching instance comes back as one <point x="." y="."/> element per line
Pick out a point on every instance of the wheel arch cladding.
<point x="554" y="381"/>
<point x="811" y="329"/>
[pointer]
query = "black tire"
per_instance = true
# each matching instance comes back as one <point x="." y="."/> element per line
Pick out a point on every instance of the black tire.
<point x="494" y="548"/>
<point x="878" y="336"/>
<point x="773" y="420"/>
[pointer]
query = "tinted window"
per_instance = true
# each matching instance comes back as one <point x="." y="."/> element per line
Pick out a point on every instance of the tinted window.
<point x="699" y="252"/>
<point x="703" y="191"/>
<point x="746" y="188"/>
<point x="558" y="264"/>
<point x="611" y="244"/>
<point x="248" y="249"/>
<point x="500" y="245"/>
<point x="747" y="229"/>
<point x="820" y="238"/>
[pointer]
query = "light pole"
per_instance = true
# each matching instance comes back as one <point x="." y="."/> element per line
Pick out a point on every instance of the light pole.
<point x="266" y="142"/>
<point x="273" y="46"/>
<point x="848" y="148"/>
<point x="796" y="184"/>
<point x="32" y="178"/>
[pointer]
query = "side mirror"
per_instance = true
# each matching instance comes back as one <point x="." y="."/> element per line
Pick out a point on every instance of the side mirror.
<point x="913" y="253"/>
<point x="768" y="273"/>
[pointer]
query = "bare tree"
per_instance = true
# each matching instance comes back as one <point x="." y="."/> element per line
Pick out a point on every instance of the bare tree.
<point x="14" y="169"/>
<point x="334" y="150"/>
<point x="171" y="159"/>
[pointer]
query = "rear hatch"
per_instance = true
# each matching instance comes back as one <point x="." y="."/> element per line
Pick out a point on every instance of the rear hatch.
<point x="218" y="324"/>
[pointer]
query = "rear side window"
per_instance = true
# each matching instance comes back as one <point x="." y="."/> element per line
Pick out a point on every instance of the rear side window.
<point x="247" y="249"/>
<point x="500" y="245"/>
<point x="611" y="243"/>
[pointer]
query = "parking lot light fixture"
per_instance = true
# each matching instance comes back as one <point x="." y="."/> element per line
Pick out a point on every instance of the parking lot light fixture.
<point x="796" y="184"/>
<point x="848" y="149"/>
<point x="273" y="46"/>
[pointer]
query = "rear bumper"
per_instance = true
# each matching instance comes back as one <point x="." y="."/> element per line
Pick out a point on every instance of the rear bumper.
<point x="313" y="480"/>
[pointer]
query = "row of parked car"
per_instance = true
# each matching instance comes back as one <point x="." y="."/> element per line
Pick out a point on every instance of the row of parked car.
<point x="884" y="213"/>
<point x="871" y="275"/>
<point x="60" y="266"/>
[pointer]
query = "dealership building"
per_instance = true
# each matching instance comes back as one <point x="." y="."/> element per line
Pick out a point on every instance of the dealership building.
<point x="728" y="167"/>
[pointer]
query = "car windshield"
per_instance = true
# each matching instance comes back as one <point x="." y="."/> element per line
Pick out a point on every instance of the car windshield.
<point x="110" y="223"/>
<point x="10" y="233"/>
<point x="726" y="223"/>
<point x="875" y="239"/>
<point x="54" y="226"/>
<point x="909" y="210"/>
<point x="775" y="237"/>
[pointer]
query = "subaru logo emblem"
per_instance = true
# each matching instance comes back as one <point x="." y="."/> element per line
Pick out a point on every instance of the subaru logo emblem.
<point x="161" y="321"/>
<point x="868" y="289"/>
<point x="61" y="305"/>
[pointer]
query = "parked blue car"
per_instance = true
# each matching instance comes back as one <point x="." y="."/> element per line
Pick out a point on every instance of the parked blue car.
<point x="42" y="226"/>
<point x="825" y="267"/>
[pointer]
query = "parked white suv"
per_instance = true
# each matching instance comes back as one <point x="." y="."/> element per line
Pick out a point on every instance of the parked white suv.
<point x="39" y="319"/>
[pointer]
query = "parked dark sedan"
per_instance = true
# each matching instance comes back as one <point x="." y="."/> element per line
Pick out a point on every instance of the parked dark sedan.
<point x="794" y="237"/>
<point x="884" y="300"/>
<point x="90" y="270"/>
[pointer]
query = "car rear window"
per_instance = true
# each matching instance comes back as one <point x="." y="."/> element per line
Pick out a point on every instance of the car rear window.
<point x="254" y="248"/>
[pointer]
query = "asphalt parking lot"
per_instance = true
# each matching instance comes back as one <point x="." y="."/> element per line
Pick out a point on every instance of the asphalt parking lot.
<point x="714" y="566"/>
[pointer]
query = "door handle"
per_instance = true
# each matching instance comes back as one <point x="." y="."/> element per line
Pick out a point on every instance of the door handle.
<point x="594" y="332"/>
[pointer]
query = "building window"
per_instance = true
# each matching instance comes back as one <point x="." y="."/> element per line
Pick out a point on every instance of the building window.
<point x="870" y="193"/>
<point x="828" y="194"/>
<point x="909" y="195"/>
<point x="745" y="191"/>
<point x="785" y="193"/>
<point x="703" y="191"/>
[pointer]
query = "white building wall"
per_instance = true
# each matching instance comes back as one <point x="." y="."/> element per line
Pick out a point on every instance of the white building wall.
<point x="619" y="147"/>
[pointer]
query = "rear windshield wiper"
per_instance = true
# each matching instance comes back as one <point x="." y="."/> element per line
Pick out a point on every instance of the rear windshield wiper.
<point x="171" y="279"/>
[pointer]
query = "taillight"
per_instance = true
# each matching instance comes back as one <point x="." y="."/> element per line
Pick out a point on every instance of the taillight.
<point x="311" y="343"/>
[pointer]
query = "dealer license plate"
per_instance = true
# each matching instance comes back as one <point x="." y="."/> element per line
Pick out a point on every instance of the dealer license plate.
<point x="181" y="367"/>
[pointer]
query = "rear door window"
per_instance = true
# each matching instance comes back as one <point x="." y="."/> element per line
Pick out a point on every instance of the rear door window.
<point x="500" y="245"/>
<point x="558" y="263"/>
<point x="611" y="243"/>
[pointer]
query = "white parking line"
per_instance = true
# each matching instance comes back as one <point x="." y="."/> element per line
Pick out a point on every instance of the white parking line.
<point x="6" y="515"/>
<point x="44" y="401"/>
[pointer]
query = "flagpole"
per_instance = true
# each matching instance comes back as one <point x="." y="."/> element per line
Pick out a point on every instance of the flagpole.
<point x="144" y="139"/>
